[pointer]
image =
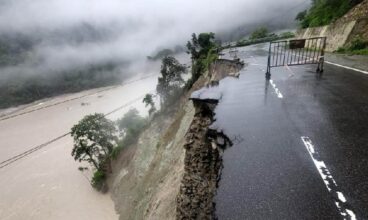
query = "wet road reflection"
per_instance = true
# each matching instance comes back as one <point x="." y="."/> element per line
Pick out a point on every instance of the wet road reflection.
<point x="270" y="174"/>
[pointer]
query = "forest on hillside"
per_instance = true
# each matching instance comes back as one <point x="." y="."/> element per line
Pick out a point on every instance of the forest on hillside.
<point x="323" y="12"/>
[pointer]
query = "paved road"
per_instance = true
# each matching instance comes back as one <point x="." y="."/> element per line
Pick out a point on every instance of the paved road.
<point x="47" y="184"/>
<point x="301" y="143"/>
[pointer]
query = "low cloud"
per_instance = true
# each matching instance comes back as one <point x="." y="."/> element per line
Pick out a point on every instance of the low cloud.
<point x="69" y="33"/>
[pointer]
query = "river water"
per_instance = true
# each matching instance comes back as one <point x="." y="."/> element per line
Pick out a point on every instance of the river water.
<point x="47" y="184"/>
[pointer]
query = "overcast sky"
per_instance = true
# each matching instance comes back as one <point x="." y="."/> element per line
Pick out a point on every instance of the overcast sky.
<point x="129" y="29"/>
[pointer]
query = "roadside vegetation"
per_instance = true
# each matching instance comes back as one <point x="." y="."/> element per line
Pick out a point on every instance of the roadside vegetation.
<point x="98" y="140"/>
<point x="261" y="32"/>
<point x="324" y="12"/>
<point x="203" y="51"/>
<point x="262" y="35"/>
<point x="356" y="47"/>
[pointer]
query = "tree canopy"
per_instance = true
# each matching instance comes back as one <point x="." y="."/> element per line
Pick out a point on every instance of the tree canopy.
<point x="131" y="121"/>
<point x="323" y="12"/>
<point x="203" y="51"/>
<point x="148" y="100"/>
<point x="201" y="45"/>
<point x="170" y="79"/>
<point x="94" y="139"/>
<point x="131" y="125"/>
<point x="261" y="32"/>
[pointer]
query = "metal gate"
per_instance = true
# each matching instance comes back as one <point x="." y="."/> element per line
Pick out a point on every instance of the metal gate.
<point x="296" y="52"/>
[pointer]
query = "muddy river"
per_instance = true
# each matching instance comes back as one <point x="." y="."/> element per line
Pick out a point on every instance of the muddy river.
<point x="46" y="184"/>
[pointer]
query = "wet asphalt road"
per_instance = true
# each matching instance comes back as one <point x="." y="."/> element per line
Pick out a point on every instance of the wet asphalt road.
<point x="269" y="173"/>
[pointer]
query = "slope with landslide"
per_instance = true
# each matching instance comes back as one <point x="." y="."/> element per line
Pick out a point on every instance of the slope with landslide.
<point x="148" y="178"/>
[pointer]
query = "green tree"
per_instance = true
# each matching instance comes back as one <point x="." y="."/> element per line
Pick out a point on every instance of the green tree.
<point x="94" y="139"/>
<point x="200" y="46"/>
<point x="148" y="100"/>
<point x="131" y="122"/>
<point x="261" y="32"/>
<point x="203" y="51"/>
<point x="323" y="12"/>
<point x="130" y="125"/>
<point x="171" y="78"/>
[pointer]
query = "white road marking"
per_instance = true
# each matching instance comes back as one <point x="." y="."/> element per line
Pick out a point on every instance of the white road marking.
<point x="278" y="93"/>
<point x="341" y="196"/>
<point x="346" y="67"/>
<point x="329" y="181"/>
<point x="291" y="72"/>
<point x="339" y="65"/>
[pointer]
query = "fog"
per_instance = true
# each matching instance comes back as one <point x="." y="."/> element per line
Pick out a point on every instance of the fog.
<point x="64" y="34"/>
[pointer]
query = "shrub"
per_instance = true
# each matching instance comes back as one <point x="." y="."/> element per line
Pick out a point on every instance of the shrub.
<point x="287" y="35"/>
<point x="261" y="32"/>
<point x="131" y="125"/>
<point x="357" y="47"/>
<point x="358" y="44"/>
<point x="131" y="121"/>
<point x="116" y="151"/>
<point x="341" y="50"/>
<point x="98" y="181"/>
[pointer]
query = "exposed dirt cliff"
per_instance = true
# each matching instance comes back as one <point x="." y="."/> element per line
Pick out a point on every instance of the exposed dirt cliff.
<point x="149" y="178"/>
<point x="202" y="164"/>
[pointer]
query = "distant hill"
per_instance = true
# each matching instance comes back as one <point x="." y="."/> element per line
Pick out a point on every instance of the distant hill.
<point x="22" y="88"/>
<point x="25" y="77"/>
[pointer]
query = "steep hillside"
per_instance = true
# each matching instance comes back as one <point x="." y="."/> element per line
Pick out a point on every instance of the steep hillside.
<point x="147" y="176"/>
<point x="358" y="12"/>
<point x="350" y="28"/>
<point x="324" y="12"/>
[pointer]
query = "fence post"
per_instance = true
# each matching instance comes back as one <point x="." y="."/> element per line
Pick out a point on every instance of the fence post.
<point x="322" y="59"/>
<point x="268" y="72"/>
